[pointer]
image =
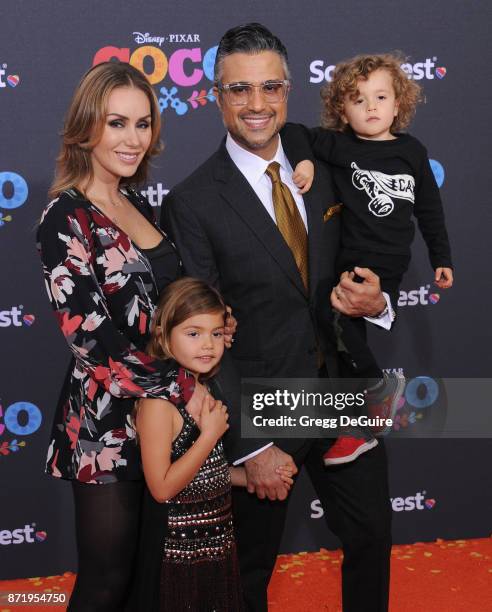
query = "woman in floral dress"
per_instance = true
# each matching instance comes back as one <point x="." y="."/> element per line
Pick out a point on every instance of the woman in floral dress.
<point x="105" y="261"/>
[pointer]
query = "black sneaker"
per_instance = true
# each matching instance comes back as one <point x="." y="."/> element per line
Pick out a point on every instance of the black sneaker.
<point x="382" y="401"/>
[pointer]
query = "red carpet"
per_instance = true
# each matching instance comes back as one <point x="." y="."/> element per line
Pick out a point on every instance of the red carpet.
<point x="436" y="577"/>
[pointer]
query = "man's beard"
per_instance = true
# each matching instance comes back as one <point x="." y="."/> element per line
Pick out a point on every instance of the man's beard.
<point x="255" y="145"/>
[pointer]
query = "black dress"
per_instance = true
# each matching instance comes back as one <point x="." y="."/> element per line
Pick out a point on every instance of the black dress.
<point x="187" y="559"/>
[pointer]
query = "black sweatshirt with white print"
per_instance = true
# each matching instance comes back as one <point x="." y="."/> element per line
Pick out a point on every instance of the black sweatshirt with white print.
<point x="381" y="184"/>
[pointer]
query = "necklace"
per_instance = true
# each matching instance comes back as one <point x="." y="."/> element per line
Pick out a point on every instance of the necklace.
<point x="105" y="208"/>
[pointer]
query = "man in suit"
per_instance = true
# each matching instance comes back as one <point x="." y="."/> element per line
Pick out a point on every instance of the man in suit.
<point x="229" y="231"/>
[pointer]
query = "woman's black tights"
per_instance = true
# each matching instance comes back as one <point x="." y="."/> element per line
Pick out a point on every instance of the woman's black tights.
<point x="107" y="521"/>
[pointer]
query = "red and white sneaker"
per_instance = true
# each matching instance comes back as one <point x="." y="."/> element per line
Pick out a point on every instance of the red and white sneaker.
<point x="346" y="449"/>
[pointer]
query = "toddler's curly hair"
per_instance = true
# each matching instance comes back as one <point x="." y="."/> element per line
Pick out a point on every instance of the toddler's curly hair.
<point x="345" y="76"/>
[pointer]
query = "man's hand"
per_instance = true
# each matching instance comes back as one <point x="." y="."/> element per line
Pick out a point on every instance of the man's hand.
<point x="230" y="328"/>
<point x="358" y="299"/>
<point x="262" y="476"/>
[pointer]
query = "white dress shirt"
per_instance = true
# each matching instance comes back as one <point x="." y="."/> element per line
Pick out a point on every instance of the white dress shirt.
<point x="253" y="168"/>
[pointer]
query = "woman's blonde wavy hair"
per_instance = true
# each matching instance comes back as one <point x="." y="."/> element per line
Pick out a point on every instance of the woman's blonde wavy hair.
<point x="345" y="78"/>
<point x="85" y="120"/>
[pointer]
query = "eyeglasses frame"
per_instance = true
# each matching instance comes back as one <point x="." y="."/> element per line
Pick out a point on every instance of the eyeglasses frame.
<point x="225" y="88"/>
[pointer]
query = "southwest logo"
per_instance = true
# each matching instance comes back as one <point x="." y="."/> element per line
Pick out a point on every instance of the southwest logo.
<point x="418" y="296"/>
<point x="412" y="502"/>
<point x="426" y="69"/>
<point x="398" y="504"/>
<point x="15" y="318"/>
<point x="22" y="535"/>
<point x="40" y="536"/>
<point x="11" y="79"/>
<point x="155" y="193"/>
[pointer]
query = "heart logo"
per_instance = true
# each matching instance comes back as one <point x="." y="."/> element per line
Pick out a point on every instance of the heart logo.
<point x="430" y="503"/>
<point x="40" y="536"/>
<point x="13" y="80"/>
<point x="434" y="298"/>
<point x="441" y="72"/>
<point x="28" y="319"/>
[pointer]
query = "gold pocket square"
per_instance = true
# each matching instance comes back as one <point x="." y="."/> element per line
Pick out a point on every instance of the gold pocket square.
<point x="332" y="210"/>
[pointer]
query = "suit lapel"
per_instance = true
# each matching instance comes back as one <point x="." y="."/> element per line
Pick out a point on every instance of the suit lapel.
<point x="237" y="192"/>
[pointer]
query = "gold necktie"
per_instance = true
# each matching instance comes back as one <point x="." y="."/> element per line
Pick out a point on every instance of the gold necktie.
<point x="289" y="221"/>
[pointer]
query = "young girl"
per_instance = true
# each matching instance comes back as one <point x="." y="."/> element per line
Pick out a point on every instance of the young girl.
<point x="382" y="177"/>
<point x="187" y="553"/>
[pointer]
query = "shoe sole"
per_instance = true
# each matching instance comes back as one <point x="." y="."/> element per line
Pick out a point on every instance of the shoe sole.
<point x="394" y="405"/>
<point x="348" y="458"/>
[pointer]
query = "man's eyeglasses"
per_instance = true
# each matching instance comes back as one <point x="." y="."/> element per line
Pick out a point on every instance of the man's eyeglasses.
<point x="239" y="94"/>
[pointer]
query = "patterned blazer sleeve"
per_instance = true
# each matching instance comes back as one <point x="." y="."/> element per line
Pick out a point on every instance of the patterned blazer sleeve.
<point x="100" y="349"/>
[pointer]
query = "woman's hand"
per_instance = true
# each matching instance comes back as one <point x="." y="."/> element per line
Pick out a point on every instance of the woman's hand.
<point x="213" y="420"/>
<point x="195" y="405"/>
<point x="230" y="328"/>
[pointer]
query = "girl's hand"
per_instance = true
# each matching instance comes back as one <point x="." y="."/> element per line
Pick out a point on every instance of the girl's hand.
<point x="194" y="406"/>
<point x="285" y="472"/>
<point x="443" y="278"/>
<point x="230" y="328"/>
<point x="303" y="175"/>
<point x="213" y="421"/>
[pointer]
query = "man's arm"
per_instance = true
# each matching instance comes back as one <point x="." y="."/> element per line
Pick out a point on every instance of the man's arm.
<point x="385" y="318"/>
<point x="179" y="221"/>
<point x="262" y="476"/>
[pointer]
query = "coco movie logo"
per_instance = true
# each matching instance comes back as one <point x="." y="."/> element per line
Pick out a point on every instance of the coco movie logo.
<point x="18" y="419"/>
<point x="189" y="71"/>
<point x="13" y="194"/>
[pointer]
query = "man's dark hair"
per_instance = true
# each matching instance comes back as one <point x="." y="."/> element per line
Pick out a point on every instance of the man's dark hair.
<point x="250" y="38"/>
